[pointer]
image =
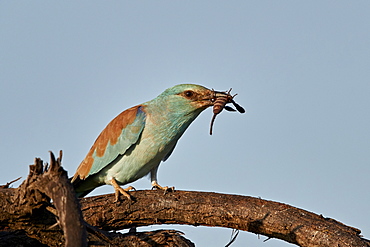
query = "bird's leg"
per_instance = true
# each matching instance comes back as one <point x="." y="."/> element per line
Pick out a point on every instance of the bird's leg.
<point x="118" y="190"/>
<point x="153" y="177"/>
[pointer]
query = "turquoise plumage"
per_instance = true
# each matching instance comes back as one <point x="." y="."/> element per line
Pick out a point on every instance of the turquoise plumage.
<point x="135" y="142"/>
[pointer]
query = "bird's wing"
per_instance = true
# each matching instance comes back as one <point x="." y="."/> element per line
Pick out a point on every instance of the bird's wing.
<point x="169" y="153"/>
<point x="119" y="135"/>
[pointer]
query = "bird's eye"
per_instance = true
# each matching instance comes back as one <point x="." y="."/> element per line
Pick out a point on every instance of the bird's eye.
<point x="189" y="93"/>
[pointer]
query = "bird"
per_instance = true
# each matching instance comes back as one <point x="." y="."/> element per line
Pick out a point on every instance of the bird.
<point x="135" y="142"/>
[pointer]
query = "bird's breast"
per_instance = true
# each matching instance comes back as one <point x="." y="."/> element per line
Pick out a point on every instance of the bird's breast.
<point x="154" y="144"/>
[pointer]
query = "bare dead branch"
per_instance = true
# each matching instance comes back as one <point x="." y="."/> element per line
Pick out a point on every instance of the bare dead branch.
<point x="33" y="196"/>
<point x="9" y="183"/>
<point x="272" y="219"/>
<point x="29" y="214"/>
<point x="29" y="218"/>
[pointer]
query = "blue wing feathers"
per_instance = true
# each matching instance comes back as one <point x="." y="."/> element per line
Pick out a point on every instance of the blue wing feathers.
<point x="129" y="136"/>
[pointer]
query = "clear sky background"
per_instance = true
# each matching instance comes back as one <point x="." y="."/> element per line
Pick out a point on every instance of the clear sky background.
<point x="301" y="71"/>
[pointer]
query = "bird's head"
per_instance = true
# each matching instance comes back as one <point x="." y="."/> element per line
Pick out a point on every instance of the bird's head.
<point x="188" y="98"/>
<point x="178" y="106"/>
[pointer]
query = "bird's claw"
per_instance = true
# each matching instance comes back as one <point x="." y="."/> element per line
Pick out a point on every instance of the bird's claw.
<point x="118" y="190"/>
<point x="168" y="189"/>
<point x="122" y="191"/>
<point x="165" y="189"/>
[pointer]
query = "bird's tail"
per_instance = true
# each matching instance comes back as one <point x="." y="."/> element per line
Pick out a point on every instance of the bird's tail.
<point x="77" y="184"/>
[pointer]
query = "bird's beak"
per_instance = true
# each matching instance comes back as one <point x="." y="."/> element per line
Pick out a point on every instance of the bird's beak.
<point x="208" y="97"/>
<point x="217" y="94"/>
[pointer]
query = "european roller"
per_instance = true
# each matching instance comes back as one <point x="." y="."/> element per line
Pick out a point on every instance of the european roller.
<point x="135" y="142"/>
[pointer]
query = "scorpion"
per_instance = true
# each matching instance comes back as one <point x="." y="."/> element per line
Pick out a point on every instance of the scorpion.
<point x="220" y="100"/>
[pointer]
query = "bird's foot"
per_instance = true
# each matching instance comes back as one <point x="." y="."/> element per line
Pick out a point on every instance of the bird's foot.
<point x="118" y="190"/>
<point x="165" y="189"/>
<point x="122" y="191"/>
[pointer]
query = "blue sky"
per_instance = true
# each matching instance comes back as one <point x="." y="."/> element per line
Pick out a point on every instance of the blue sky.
<point x="301" y="71"/>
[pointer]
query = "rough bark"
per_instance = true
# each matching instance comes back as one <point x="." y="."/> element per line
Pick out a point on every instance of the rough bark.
<point x="33" y="197"/>
<point x="272" y="219"/>
<point x="28" y="215"/>
<point x="44" y="211"/>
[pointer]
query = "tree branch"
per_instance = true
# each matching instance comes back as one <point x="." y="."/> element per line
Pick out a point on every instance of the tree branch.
<point x="272" y="219"/>
<point x="51" y="182"/>
<point x="26" y="215"/>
